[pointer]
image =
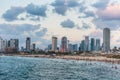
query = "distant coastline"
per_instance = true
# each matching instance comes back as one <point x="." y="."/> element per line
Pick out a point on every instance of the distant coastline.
<point x="102" y="58"/>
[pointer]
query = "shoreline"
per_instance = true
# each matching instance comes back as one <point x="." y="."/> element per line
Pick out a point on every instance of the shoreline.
<point x="70" y="57"/>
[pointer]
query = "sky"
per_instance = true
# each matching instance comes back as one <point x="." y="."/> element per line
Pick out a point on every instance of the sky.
<point x="75" y="19"/>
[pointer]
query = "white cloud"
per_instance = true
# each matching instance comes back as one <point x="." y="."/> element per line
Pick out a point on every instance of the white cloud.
<point x="88" y="22"/>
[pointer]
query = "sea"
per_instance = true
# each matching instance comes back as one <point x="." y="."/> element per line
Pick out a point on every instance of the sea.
<point x="27" y="68"/>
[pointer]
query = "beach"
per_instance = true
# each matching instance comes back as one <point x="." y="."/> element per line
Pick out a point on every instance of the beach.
<point x="101" y="58"/>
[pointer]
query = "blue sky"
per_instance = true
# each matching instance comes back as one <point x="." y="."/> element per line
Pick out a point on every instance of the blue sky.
<point x="42" y="19"/>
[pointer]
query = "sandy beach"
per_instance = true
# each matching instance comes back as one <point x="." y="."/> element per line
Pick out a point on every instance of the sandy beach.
<point x="70" y="57"/>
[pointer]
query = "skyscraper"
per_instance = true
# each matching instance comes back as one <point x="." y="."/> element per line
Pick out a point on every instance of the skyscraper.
<point x="14" y="43"/>
<point x="28" y="43"/>
<point x="49" y="47"/>
<point x="106" y="39"/>
<point x="75" y="47"/>
<point x="70" y="47"/>
<point x="86" y="43"/>
<point x="64" y="44"/>
<point x="33" y="46"/>
<point x="54" y="43"/>
<point x="92" y="44"/>
<point x="97" y="47"/>
<point x="1" y="45"/>
<point x="82" y="45"/>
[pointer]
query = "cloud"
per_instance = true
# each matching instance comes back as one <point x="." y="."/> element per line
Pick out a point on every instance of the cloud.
<point x="22" y="29"/>
<point x="61" y="6"/>
<point x="82" y="8"/>
<point x="61" y="10"/>
<point x="36" y="10"/>
<point x="108" y="17"/>
<point x="41" y="32"/>
<point x="35" y="18"/>
<point x="12" y="13"/>
<point x="112" y="24"/>
<point x="96" y="33"/>
<point x="41" y="42"/>
<point x="111" y="12"/>
<point x="68" y="24"/>
<point x="36" y="32"/>
<point x="32" y="17"/>
<point x="118" y="40"/>
<point x="89" y="14"/>
<point x="86" y="9"/>
<point x="31" y="9"/>
<point x="71" y="24"/>
<point x="85" y="26"/>
<point x="101" y="4"/>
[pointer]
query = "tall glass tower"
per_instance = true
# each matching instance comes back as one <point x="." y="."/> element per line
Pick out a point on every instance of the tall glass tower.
<point x="92" y="44"/>
<point x="86" y="43"/>
<point x="54" y="43"/>
<point x="64" y="42"/>
<point x="106" y="39"/>
<point x="28" y="43"/>
<point x="97" y="44"/>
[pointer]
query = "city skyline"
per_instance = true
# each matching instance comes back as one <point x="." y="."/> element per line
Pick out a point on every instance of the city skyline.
<point x="74" y="19"/>
<point x="87" y="44"/>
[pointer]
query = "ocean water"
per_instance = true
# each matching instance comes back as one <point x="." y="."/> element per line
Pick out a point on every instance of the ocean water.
<point x="24" y="68"/>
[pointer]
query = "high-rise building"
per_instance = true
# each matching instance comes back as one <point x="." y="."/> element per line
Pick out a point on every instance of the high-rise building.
<point x="68" y="42"/>
<point x="5" y="43"/>
<point x="92" y="44"/>
<point x="82" y="45"/>
<point x="28" y="43"/>
<point x="17" y="44"/>
<point x="64" y="45"/>
<point x="33" y="47"/>
<point x="86" y="43"/>
<point x="54" y="43"/>
<point x="70" y="47"/>
<point x="106" y="39"/>
<point x="22" y="49"/>
<point x="97" y="47"/>
<point x="14" y="43"/>
<point x="79" y="48"/>
<point x="75" y="47"/>
<point x="49" y="47"/>
<point x="1" y="45"/>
